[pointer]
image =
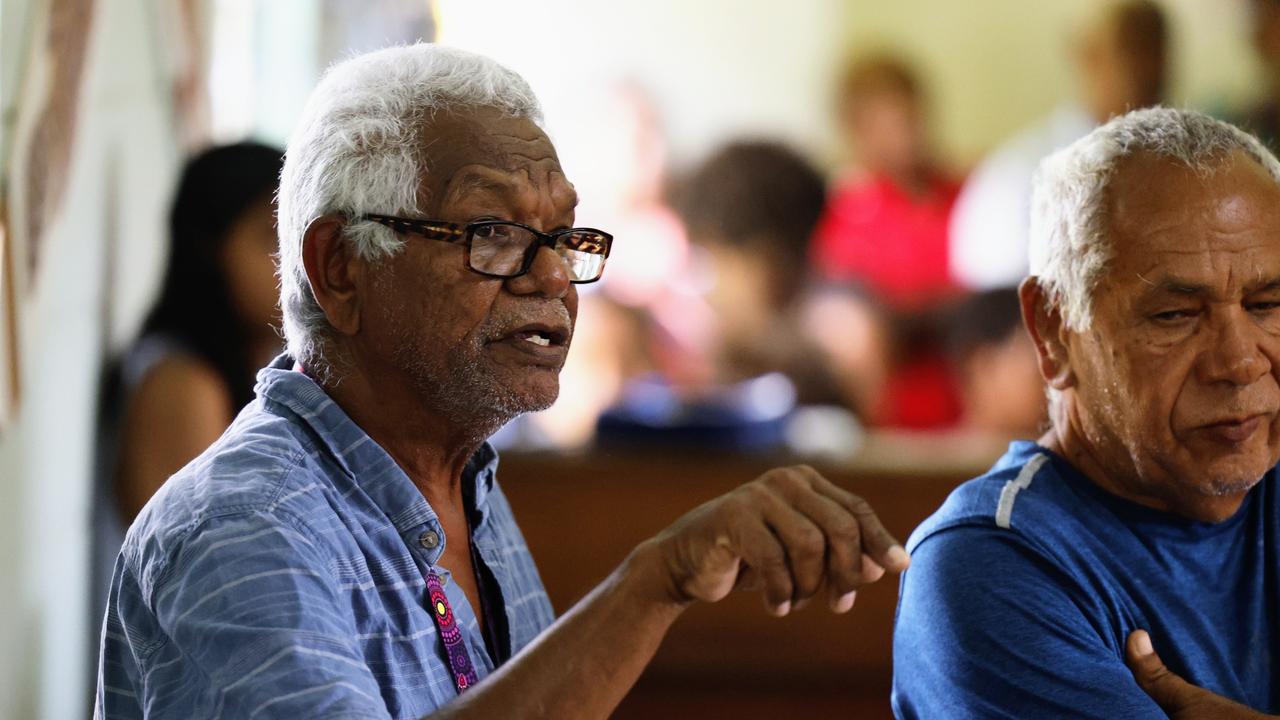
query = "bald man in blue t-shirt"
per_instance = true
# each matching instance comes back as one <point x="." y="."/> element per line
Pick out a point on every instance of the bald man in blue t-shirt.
<point x="1126" y="565"/>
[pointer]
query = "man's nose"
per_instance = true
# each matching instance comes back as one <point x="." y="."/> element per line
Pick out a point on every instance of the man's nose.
<point x="548" y="276"/>
<point x="1235" y="353"/>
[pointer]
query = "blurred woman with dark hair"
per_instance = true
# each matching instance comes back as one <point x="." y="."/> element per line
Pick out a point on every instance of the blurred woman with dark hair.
<point x="193" y="366"/>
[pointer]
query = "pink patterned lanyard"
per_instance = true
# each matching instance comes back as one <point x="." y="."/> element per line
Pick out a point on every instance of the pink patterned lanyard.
<point x="464" y="673"/>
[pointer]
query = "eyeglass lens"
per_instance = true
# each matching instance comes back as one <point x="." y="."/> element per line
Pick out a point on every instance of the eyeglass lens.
<point x="500" y="249"/>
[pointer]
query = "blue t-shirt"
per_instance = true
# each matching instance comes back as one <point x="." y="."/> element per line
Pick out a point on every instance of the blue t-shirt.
<point x="1025" y="585"/>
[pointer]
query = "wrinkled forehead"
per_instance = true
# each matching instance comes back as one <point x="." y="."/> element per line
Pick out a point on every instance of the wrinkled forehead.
<point x="1218" y="224"/>
<point x="1149" y="195"/>
<point x="485" y="147"/>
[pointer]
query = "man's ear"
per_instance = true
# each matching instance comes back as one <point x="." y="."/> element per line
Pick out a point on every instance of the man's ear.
<point x="334" y="271"/>
<point x="1043" y="321"/>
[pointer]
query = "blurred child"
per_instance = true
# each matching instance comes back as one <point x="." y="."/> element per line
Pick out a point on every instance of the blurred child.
<point x="996" y="367"/>
<point x="885" y="227"/>
<point x="882" y="247"/>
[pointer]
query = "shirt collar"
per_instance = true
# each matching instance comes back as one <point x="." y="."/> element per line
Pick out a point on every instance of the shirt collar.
<point x="368" y="465"/>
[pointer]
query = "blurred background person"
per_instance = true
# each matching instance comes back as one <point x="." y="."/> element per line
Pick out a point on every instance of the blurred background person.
<point x="192" y="366"/>
<point x="1263" y="119"/>
<point x="1001" y="393"/>
<point x="883" y="236"/>
<point x="1121" y="60"/>
<point x="885" y="226"/>
<point x="749" y="211"/>
<point x="639" y="316"/>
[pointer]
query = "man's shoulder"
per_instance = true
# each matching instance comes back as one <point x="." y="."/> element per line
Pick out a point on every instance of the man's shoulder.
<point x="1021" y="494"/>
<point x="265" y="467"/>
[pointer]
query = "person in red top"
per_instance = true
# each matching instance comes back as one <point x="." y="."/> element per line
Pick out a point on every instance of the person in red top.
<point x="884" y="234"/>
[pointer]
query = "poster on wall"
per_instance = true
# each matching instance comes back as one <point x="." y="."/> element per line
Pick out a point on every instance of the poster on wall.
<point x="39" y="129"/>
<point x="51" y="85"/>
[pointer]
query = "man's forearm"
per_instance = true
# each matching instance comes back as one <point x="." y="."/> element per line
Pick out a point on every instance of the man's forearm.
<point x="586" y="662"/>
<point x="790" y="532"/>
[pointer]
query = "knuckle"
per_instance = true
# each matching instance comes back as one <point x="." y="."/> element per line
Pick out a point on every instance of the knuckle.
<point x="846" y="533"/>
<point x="740" y="495"/>
<point x="772" y="560"/>
<point x="859" y="506"/>
<point x="756" y="494"/>
<point x="792" y="484"/>
<point x="773" y="478"/>
<point x="804" y="470"/>
<point x="811" y="542"/>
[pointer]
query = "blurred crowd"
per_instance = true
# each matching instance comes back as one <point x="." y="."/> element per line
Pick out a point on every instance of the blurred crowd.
<point x="748" y="291"/>
<point x="751" y="302"/>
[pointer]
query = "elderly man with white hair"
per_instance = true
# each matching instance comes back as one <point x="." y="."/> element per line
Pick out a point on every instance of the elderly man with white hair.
<point x="1127" y="564"/>
<point x="344" y="550"/>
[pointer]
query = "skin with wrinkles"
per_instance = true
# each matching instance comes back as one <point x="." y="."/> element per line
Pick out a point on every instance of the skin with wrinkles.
<point x="1171" y="397"/>
<point x="481" y="165"/>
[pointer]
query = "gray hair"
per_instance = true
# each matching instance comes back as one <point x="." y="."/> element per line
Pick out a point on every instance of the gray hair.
<point x="356" y="150"/>
<point x="1070" y="245"/>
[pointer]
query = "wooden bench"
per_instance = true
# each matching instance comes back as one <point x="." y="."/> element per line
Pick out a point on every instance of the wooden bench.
<point x="582" y="514"/>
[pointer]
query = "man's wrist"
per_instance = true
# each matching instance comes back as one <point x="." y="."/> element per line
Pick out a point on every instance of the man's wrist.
<point x="645" y="578"/>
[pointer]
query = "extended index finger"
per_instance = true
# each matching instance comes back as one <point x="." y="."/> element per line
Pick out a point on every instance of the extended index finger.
<point x="877" y="542"/>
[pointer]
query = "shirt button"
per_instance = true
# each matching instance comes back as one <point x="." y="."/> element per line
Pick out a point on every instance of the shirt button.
<point x="429" y="539"/>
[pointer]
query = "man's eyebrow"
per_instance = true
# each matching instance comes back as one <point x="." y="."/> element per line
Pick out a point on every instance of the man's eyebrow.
<point x="1174" y="286"/>
<point x="472" y="180"/>
<point x="1180" y="286"/>
<point x="1267" y="285"/>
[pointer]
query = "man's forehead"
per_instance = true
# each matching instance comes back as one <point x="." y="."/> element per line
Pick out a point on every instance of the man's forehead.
<point x="1175" y="231"/>
<point x="488" y="149"/>
<point x="1200" y="269"/>
<point x="1156" y="204"/>
<point x="1145" y="182"/>
<point x="488" y="137"/>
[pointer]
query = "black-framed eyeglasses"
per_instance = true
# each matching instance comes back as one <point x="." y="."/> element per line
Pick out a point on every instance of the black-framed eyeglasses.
<point x="504" y="249"/>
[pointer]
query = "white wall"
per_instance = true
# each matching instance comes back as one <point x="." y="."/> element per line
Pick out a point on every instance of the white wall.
<point x="121" y="175"/>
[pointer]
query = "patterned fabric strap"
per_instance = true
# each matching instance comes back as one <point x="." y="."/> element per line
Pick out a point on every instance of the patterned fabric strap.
<point x="464" y="673"/>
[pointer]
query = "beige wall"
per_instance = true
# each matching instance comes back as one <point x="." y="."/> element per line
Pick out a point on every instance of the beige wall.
<point x="721" y="68"/>
<point x="715" y="68"/>
<point x="993" y="66"/>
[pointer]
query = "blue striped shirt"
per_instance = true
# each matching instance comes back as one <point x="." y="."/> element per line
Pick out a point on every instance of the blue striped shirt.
<point x="280" y="574"/>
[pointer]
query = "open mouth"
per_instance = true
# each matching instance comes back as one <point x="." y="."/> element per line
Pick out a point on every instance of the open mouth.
<point x="540" y="336"/>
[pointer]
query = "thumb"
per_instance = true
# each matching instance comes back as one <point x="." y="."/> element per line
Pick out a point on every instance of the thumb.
<point x="1169" y="691"/>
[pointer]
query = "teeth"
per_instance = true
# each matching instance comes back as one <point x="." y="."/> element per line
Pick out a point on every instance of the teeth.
<point x="538" y="340"/>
